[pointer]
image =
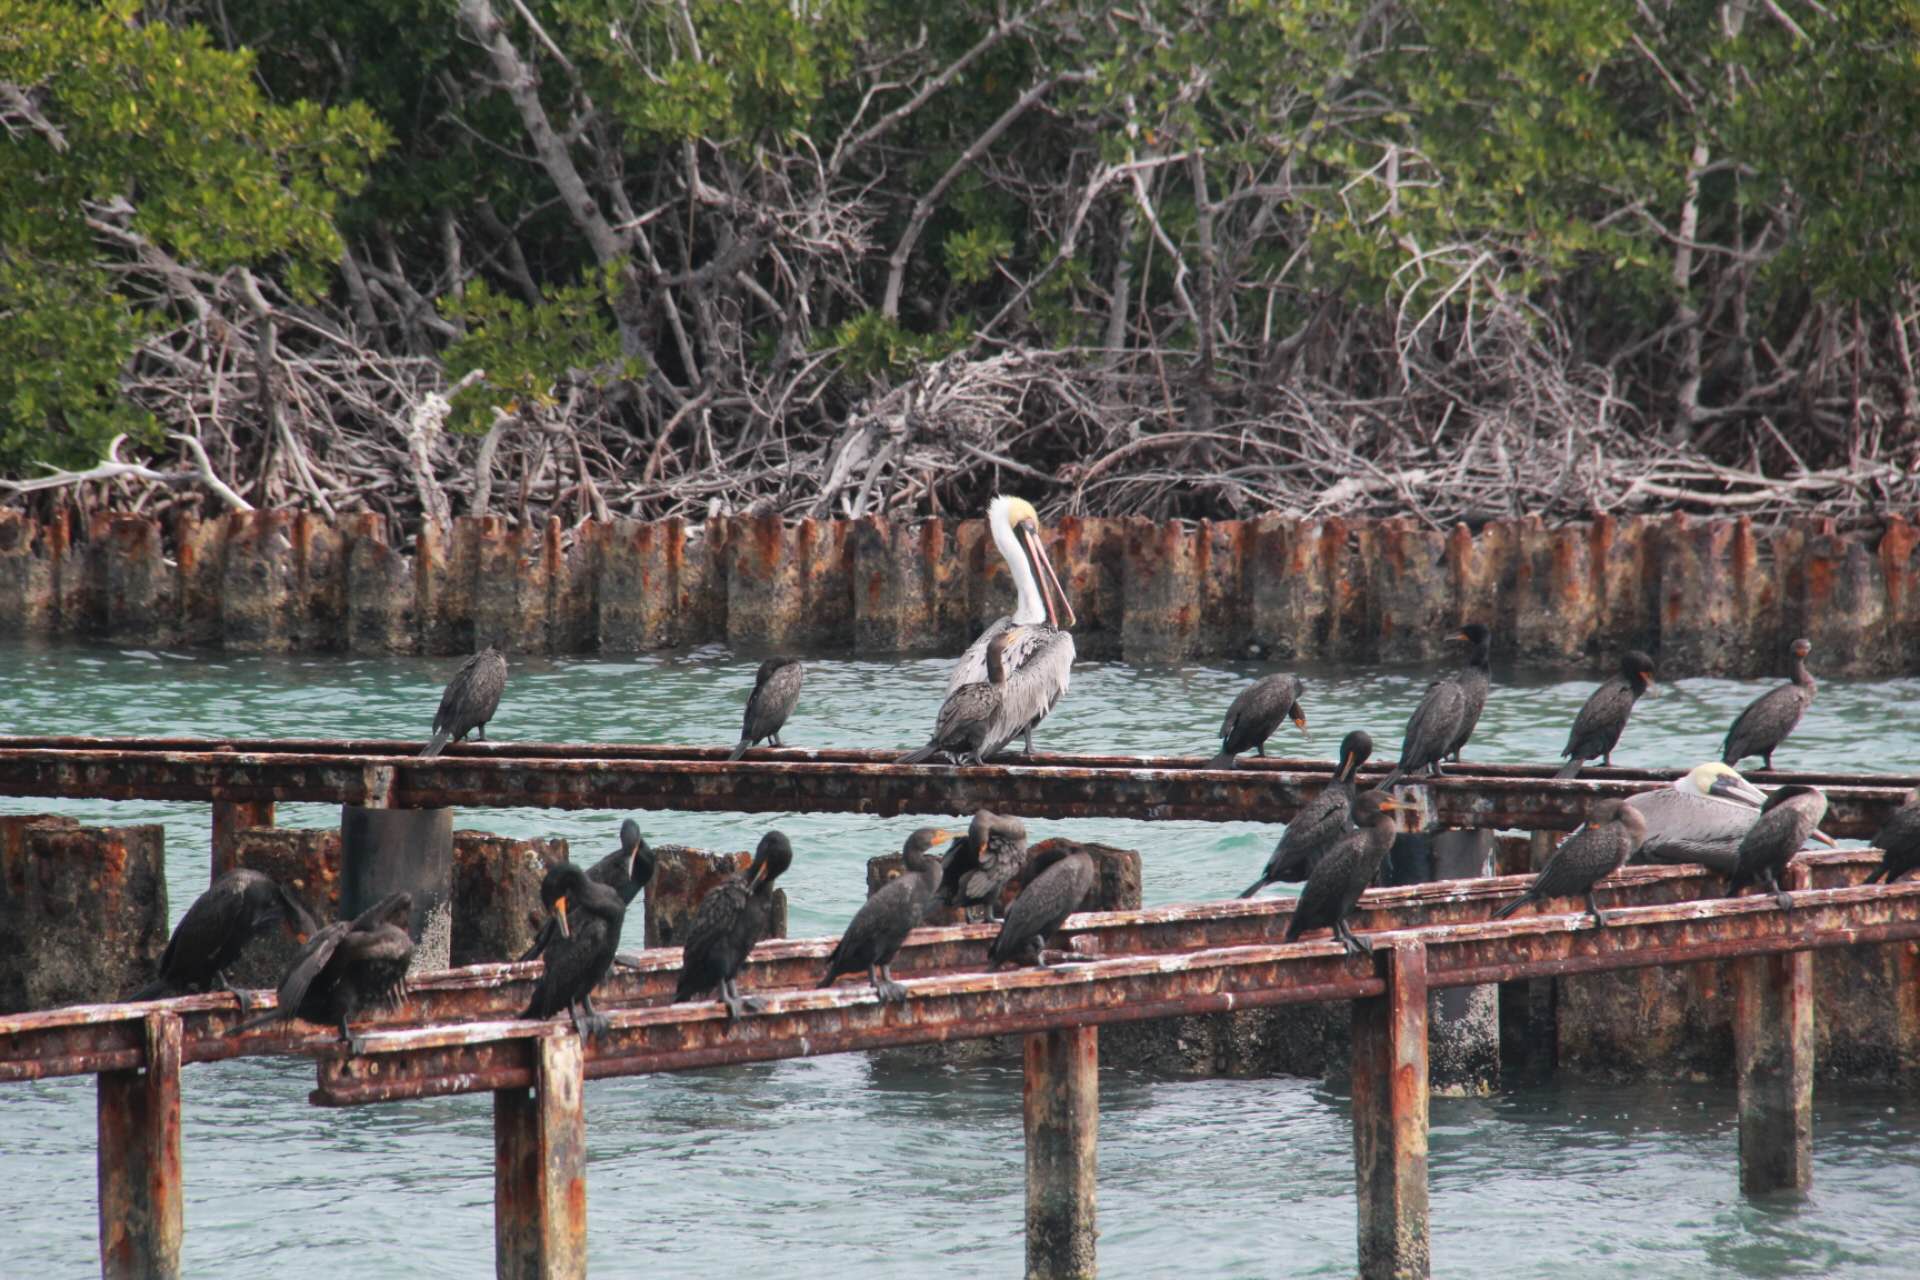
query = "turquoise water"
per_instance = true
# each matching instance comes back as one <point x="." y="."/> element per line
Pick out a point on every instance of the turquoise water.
<point x="842" y="1165"/>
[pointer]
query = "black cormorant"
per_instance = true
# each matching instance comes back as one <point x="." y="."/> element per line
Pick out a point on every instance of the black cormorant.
<point x="978" y="867"/>
<point x="1614" y="830"/>
<point x="1448" y="712"/>
<point x="965" y="724"/>
<point x="237" y="908"/>
<point x="1596" y="730"/>
<point x="626" y="871"/>
<point x="1319" y="822"/>
<point x="346" y="967"/>
<point x="470" y="700"/>
<point x="728" y="922"/>
<point x="775" y="691"/>
<point x="1256" y="713"/>
<point x="589" y="915"/>
<point x="1899" y="842"/>
<point x="1062" y="878"/>
<point x="1344" y="872"/>
<point x="1790" y="816"/>
<point x="1767" y="721"/>
<point x="889" y="914"/>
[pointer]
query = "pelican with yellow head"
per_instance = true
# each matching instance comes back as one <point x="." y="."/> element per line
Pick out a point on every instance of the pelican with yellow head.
<point x="1040" y="661"/>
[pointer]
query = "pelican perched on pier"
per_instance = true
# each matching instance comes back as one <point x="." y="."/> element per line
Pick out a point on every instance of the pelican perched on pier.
<point x="1701" y="817"/>
<point x="1040" y="661"/>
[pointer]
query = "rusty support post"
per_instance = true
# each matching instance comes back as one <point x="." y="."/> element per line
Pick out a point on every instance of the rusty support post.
<point x="230" y="818"/>
<point x="1062" y="1106"/>
<point x="540" y="1169"/>
<point x="139" y="1160"/>
<point x="1773" y="1060"/>
<point x="1390" y="1117"/>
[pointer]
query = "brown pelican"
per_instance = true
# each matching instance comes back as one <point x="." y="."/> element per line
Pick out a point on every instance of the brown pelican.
<point x="1701" y="817"/>
<point x="1040" y="662"/>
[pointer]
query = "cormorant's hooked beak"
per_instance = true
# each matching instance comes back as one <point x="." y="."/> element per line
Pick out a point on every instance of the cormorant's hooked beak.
<point x="1346" y="762"/>
<point x="1825" y="839"/>
<point x="1052" y="598"/>
<point x="1393" y="806"/>
<point x="939" y="838"/>
<point x="1300" y="723"/>
<point x="1461" y="636"/>
<point x="560" y="913"/>
<point x="755" y="874"/>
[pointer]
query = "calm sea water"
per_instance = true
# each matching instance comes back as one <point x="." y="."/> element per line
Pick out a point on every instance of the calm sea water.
<point x="849" y="1165"/>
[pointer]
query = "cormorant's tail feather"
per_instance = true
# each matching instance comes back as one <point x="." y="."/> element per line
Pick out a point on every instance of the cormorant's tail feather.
<point x="1512" y="907"/>
<point x="1571" y="769"/>
<point x="1386" y="784"/>
<point x="1222" y="761"/>
<point x="1873" y="876"/>
<point x="739" y="750"/>
<point x="274" y="1014"/>
<point x="1258" y="885"/>
<point x="438" y="741"/>
<point x="915" y="757"/>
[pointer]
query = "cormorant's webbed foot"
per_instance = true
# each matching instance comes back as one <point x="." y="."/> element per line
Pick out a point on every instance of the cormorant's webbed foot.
<point x="890" y="992"/>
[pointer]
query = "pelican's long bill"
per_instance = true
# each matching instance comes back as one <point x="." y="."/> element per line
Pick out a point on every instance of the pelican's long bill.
<point x="1052" y="598"/>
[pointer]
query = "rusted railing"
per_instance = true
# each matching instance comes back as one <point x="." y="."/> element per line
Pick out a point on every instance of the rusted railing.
<point x="389" y="774"/>
<point x="1136" y="965"/>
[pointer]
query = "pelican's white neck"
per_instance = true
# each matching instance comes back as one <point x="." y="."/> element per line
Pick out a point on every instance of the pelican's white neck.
<point x="1031" y="610"/>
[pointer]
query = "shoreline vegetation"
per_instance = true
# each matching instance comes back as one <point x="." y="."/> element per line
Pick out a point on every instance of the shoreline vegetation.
<point x="1308" y="258"/>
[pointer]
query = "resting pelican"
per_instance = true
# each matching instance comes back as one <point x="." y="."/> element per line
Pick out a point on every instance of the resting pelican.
<point x="1041" y="659"/>
<point x="1701" y="817"/>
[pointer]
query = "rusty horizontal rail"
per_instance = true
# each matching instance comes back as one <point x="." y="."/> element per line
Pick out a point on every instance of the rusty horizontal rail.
<point x="86" y="1039"/>
<point x="388" y="774"/>
<point x="472" y="1057"/>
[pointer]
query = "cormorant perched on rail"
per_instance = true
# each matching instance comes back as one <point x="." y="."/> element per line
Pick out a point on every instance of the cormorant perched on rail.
<point x="1767" y="721"/>
<point x="1700" y="817"/>
<point x="1447" y="714"/>
<point x="728" y="922"/>
<point x="1596" y="730"/>
<point x="1899" y="842"/>
<point x="470" y="699"/>
<point x="978" y="867"/>
<point x="1344" y="872"/>
<point x="1790" y="816"/>
<point x="346" y="967"/>
<point x="1040" y="663"/>
<point x="238" y="907"/>
<point x="1063" y="876"/>
<point x="1614" y="830"/>
<point x="1319" y="822"/>
<point x="964" y="728"/>
<point x="775" y="691"/>
<point x="888" y="915"/>
<point x="589" y="915"/>
<point x="1256" y="713"/>
<point x="626" y="871"/>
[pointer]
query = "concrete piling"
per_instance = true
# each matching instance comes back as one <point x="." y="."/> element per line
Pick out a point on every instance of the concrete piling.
<point x="138" y="1158"/>
<point x="1390" y="1118"/>
<point x="496" y="894"/>
<point x="83" y="911"/>
<point x="540" y="1168"/>
<point x="1707" y="596"/>
<point x="1061" y="1105"/>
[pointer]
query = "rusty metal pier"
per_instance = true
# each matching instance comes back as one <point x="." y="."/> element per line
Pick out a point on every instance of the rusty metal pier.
<point x="243" y="778"/>
<point x="457" y="1036"/>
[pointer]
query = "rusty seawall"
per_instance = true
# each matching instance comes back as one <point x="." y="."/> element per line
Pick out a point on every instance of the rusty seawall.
<point x="1710" y="597"/>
